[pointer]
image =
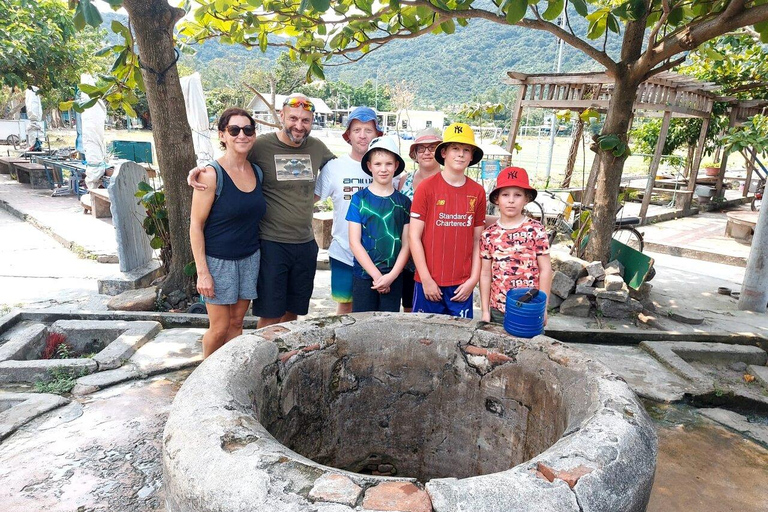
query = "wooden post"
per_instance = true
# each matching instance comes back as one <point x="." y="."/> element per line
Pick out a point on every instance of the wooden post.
<point x="589" y="189"/>
<point x="724" y="161"/>
<point x="655" y="163"/>
<point x="687" y="198"/>
<point x="750" y="160"/>
<point x="516" y="118"/>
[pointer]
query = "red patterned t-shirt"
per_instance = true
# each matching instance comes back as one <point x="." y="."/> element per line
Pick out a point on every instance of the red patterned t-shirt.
<point x="513" y="254"/>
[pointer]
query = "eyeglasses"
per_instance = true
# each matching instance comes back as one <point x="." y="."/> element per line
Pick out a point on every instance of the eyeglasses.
<point x="299" y="102"/>
<point x="234" y="130"/>
<point x="420" y="150"/>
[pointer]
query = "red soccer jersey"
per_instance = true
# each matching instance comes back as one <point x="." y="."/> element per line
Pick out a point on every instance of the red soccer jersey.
<point x="450" y="215"/>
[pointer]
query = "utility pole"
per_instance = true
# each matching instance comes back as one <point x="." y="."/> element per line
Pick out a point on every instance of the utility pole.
<point x="754" y="290"/>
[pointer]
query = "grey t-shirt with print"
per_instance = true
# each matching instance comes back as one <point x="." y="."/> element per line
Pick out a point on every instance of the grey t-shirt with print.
<point x="289" y="186"/>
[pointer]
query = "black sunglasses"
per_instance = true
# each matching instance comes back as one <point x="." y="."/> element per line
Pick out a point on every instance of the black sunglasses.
<point x="234" y="130"/>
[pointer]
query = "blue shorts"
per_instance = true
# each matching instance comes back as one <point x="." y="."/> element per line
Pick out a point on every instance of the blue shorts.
<point x="233" y="280"/>
<point x="444" y="306"/>
<point x="341" y="281"/>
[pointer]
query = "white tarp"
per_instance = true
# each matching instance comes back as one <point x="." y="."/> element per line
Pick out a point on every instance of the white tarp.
<point x="35" y="128"/>
<point x="197" y="116"/>
<point x="94" y="145"/>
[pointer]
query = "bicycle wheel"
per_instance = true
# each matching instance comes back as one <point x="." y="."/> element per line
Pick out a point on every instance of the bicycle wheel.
<point x="629" y="236"/>
<point x="535" y="212"/>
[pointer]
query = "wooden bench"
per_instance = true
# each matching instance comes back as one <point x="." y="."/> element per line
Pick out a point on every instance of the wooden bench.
<point x="100" y="203"/>
<point x="34" y="174"/>
<point x="6" y="163"/>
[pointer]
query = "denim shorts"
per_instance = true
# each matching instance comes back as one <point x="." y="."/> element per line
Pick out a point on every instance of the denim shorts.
<point x="233" y="280"/>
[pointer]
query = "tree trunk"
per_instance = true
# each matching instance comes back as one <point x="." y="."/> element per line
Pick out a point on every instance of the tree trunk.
<point x="610" y="168"/>
<point x="572" y="153"/>
<point x="754" y="289"/>
<point x="152" y="23"/>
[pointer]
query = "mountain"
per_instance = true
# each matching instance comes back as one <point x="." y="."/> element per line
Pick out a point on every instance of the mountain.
<point x="441" y="69"/>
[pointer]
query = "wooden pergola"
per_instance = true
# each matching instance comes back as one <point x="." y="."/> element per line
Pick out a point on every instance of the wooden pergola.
<point x="665" y="95"/>
<point x="740" y="112"/>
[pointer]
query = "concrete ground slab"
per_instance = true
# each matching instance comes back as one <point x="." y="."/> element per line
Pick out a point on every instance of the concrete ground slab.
<point x="753" y="430"/>
<point x="760" y="372"/>
<point x="99" y="454"/>
<point x="16" y="409"/>
<point x="644" y="374"/>
<point x="172" y="349"/>
<point x="92" y="383"/>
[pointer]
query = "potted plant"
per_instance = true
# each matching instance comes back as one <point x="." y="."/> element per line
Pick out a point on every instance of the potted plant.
<point x="711" y="168"/>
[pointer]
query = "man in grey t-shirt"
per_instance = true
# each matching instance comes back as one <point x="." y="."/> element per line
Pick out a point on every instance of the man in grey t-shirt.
<point x="290" y="160"/>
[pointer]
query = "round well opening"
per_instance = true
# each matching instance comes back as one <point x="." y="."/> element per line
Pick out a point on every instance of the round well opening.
<point x="411" y="407"/>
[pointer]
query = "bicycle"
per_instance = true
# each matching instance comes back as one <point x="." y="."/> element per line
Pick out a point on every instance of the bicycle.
<point x="623" y="230"/>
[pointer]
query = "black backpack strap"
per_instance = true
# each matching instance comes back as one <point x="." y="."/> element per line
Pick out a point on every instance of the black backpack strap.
<point x="259" y="173"/>
<point x="219" y="177"/>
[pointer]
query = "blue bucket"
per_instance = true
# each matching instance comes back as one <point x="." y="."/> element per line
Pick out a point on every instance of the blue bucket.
<point x="526" y="319"/>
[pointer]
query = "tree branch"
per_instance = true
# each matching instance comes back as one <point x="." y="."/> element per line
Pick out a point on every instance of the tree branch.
<point x="735" y="16"/>
<point x="270" y="106"/>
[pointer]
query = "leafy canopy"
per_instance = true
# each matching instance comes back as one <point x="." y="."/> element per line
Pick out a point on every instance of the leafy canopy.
<point x="39" y="45"/>
<point x="653" y="32"/>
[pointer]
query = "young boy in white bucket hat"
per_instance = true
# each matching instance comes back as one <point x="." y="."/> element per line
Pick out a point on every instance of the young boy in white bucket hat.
<point x="339" y="180"/>
<point x="378" y="220"/>
<point x="447" y="218"/>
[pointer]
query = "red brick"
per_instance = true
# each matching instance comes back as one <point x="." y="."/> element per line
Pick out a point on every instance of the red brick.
<point x="272" y="332"/>
<point x="310" y="348"/>
<point x="286" y="356"/>
<point x="475" y="351"/>
<point x="498" y="358"/>
<point x="335" y="489"/>
<point x="400" y="496"/>
<point x="425" y="341"/>
<point x="546" y="471"/>
<point x="571" y="476"/>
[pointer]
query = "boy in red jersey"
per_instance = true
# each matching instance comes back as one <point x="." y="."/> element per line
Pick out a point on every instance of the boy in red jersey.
<point x="447" y="218"/>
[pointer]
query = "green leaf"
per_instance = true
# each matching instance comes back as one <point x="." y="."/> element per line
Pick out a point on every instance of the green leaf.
<point x="105" y="50"/>
<point x="612" y="23"/>
<point x="516" y="10"/>
<point x="394" y="4"/>
<point x="90" y="90"/>
<point x="554" y="8"/>
<point x="81" y="107"/>
<point x="91" y="14"/>
<point x="190" y="269"/>
<point x="156" y="243"/>
<point x="128" y="109"/>
<point x="636" y="10"/>
<point x="320" y="5"/>
<point x="675" y="16"/>
<point x="448" y="27"/>
<point x="580" y="6"/>
<point x="66" y="105"/>
<point x="145" y="187"/>
<point x="608" y="142"/>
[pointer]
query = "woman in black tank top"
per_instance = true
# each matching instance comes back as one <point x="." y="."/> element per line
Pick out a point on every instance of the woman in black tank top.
<point x="224" y="231"/>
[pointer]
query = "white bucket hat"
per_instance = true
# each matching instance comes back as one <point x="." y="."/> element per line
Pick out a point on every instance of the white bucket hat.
<point x="388" y="144"/>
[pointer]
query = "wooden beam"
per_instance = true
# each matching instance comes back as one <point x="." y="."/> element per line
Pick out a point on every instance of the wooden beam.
<point x="517" y="114"/>
<point x="724" y="162"/>
<point x="655" y="163"/>
<point x="686" y="201"/>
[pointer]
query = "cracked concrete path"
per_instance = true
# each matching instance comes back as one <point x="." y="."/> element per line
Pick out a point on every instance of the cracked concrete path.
<point x="38" y="272"/>
<point x="101" y="452"/>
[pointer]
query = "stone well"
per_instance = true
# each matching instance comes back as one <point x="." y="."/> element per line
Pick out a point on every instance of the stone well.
<point x="405" y="412"/>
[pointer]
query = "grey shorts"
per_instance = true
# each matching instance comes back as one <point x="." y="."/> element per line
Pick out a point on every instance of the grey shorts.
<point x="234" y="279"/>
